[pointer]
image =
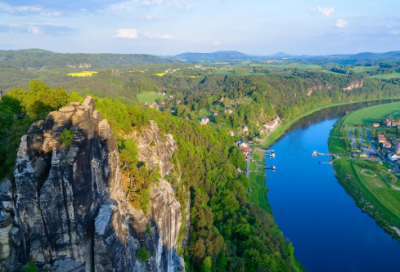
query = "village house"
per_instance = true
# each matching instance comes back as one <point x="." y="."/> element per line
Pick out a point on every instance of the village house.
<point x="229" y="111"/>
<point x="157" y="107"/>
<point x="387" y="122"/>
<point x="381" y="138"/>
<point x="245" y="129"/>
<point x="221" y="99"/>
<point x="179" y="102"/>
<point x="387" y="145"/>
<point x="216" y="113"/>
<point x="376" y="124"/>
<point x="394" y="156"/>
<point x="232" y="133"/>
<point x="240" y="171"/>
<point x="204" y="121"/>
<point x="171" y="96"/>
<point x="395" y="124"/>
<point x="163" y="103"/>
<point x="271" y="124"/>
<point x="263" y="131"/>
<point x="245" y="151"/>
<point x="198" y="66"/>
<point x="153" y="105"/>
<point x="242" y="144"/>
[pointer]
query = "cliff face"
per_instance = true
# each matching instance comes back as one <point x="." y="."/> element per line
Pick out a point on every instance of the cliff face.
<point x="68" y="204"/>
<point x="354" y="84"/>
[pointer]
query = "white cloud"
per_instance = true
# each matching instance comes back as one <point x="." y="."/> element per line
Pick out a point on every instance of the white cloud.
<point x="12" y="9"/>
<point x="388" y="26"/>
<point x="115" y="9"/>
<point x="322" y="10"/>
<point x="157" y="36"/>
<point x="395" y="32"/>
<point x="216" y="43"/>
<point x="150" y="17"/>
<point x="179" y="4"/>
<point x="340" y="23"/>
<point x="54" y="13"/>
<point x="127" y="33"/>
<point x="34" y="30"/>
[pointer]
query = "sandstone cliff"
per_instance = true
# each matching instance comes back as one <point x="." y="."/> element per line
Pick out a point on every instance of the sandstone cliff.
<point x="68" y="206"/>
<point x="354" y="84"/>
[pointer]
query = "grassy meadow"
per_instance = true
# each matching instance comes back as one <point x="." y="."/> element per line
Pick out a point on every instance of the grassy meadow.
<point x="371" y="114"/>
<point x="149" y="97"/>
<point x="386" y="76"/>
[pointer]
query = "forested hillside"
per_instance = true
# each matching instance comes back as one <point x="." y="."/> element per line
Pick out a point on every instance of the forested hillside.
<point x="227" y="231"/>
<point x="35" y="59"/>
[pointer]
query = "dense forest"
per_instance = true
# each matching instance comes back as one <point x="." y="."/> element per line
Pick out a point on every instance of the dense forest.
<point x="227" y="231"/>
<point x="36" y="59"/>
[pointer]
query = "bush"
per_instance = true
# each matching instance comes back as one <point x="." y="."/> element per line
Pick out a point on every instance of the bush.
<point x="66" y="137"/>
<point x="142" y="254"/>
<point x="30" y="267"/>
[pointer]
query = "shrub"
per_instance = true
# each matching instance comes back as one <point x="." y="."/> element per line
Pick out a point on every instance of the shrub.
<point x="142" y="254"/>
<point x="66" y="136"/>
<point x="30" y="267"/>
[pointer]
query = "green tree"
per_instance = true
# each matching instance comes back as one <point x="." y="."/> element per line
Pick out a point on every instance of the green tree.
<point x="207" y="265"/>
<point x="66" y="136"/>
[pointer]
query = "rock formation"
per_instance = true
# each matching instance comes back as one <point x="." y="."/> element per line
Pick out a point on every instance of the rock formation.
<point x="354" y="84"/>
<point x="68" y="203"/>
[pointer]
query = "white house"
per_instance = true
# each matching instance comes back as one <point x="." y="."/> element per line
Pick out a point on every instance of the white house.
<point x="394" y="156"/>
<point x="271" y="124"/>
<point x="204" y="121"/>
<point x="245" y="129"/>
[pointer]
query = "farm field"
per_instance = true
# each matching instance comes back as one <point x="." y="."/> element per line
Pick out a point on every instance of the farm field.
<point x="149" y="97"/>
<point x="360" y="69"/>
<point x="371" y="114"/>
<point x="386" y="76"/>
<point x="82" y="74"/>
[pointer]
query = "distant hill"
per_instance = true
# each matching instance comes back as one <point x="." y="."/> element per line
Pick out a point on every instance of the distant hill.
<point x="280" y="55"/>
<point x="37" y="59"/>
<point x="215" y="56"/>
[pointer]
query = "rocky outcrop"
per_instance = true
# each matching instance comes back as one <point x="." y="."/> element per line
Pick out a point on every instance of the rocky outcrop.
<point x="319" y="87"/>
<point x="154" y="149"/>
<point x="80" y="65"/>
<point x="354" y="84"/>
<point x="68" y="203"/>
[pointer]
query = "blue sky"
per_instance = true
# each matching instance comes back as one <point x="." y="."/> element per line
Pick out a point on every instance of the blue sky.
<point x="166" y="27"/>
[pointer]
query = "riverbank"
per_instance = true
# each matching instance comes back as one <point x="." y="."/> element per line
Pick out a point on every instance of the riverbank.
<point x="267" y="142"/>
<point x="372" y="193"/>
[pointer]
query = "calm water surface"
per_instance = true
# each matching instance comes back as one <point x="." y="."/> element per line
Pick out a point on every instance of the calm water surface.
<point x="329" y="232"/>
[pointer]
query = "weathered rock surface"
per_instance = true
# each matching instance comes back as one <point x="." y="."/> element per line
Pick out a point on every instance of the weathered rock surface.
<point x="68" y="204"/>
<point x="354" y="84"/>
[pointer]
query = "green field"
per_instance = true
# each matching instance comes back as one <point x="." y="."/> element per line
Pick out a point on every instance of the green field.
<point x="258" y="191"/>
<point x="371" y="114"/>
<point x="149" y="97"/>
<point x="377" y="190"/>
<point x="360" y="69"/>
<point x="386" y="76"/>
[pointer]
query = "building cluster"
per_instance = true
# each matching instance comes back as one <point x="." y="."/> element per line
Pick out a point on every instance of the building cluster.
<point x="243" y="147"/>
<point x="153" y="105"/>
<point x="387" y="123"/>
<point x="269" y="126"/>
<point x="395" y="155"/>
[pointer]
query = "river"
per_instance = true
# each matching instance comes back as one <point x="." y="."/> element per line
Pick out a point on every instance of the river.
<point x="328" y="231"/>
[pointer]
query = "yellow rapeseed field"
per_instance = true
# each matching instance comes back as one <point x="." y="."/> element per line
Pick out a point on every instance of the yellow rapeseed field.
<point x="160" y="74"/>
<point x="82" y="74"/>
